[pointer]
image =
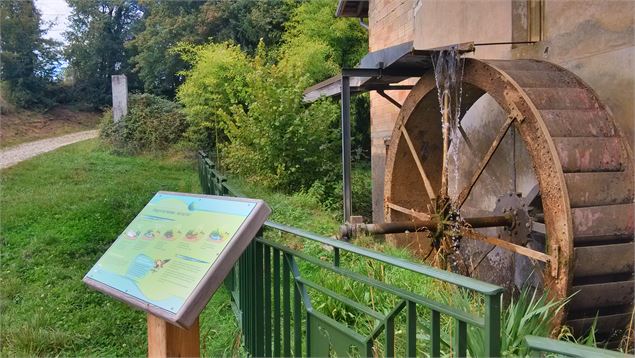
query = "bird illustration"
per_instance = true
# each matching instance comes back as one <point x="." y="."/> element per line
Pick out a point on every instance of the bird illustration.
<point x="158" y="264"/>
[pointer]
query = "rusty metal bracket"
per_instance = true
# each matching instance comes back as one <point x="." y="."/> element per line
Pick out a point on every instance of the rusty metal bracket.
<point x="514" y="112"/>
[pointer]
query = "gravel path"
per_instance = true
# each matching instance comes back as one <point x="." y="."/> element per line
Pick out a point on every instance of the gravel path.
<point x="14" y="155"/>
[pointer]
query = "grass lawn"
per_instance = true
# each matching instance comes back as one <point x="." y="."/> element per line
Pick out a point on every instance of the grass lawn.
<point x="60" y="212"/>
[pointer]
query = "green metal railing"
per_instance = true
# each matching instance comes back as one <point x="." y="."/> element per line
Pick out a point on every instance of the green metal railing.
<point x="273" y="298"/>
<point x="277" y="316"/>
<point x="568" y="349"/>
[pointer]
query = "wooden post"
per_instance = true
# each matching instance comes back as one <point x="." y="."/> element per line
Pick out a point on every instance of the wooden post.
<point x="167" y="340"/>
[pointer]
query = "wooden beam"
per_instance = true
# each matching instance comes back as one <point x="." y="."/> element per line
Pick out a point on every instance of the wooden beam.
<point x="426" y="181"/>
<point x="166" y="340"/>
<point x="416" y="214"/>
<point x="537" y="255"/>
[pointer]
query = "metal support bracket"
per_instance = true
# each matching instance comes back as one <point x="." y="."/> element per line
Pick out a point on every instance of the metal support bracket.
<point x="390" y="99"/>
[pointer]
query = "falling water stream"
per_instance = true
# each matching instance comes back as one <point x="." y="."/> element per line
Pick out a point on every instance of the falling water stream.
<point x="448" y="74"/>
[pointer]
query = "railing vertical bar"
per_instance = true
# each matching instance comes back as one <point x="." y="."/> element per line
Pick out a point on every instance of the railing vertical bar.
<point x="492" y="325"/>
<point x="411" y="330"/>
<point x="242" y="297"/>
<point x="286" y="302"/>
<point x="252" y="303"/>
<point x="248" y="304"/>
<point x="241" y="292"/>
<point x="435" y="334"/>
<point x="259" y="292"/>
<point x="276" y="303"/>
<point x="390" y="337"/>
<point x="369" y="348"/>
<point x="460" y="345"/>
<point x="297" y="317"/>
<point x="336" y="256"/>
<point x="267" y="305"/>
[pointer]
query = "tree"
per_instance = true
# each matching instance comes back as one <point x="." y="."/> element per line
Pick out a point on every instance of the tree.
<point x="246" y="22"/>
<point x="336" y="42"/>
<point x="28" y="61"/>
<point x="95" y="51"/>
<point x="167" y="23"/>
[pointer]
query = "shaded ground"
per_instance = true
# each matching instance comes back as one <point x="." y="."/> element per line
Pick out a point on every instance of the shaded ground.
<point x="25" y="126"/>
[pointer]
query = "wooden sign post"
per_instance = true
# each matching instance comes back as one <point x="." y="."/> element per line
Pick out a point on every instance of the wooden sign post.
<point x="167" y="340"/>
<point x="171" y="259"/>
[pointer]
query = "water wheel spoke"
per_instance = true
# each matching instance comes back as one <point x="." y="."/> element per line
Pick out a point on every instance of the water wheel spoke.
<point x="532" y="195"/>
<point x="483" y="163"/>
<point x="415" y="156"/>
<point x="536" y="255"/>
<point x="465" y="138"/>
<point x="538" y="228"/>
<point x="415" y="214"/>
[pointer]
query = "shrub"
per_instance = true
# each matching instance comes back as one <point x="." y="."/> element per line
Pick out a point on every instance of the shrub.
<point x="152" y="124"/>
<point x="215" y="83"/>
<point x="252" y="109"/>
<point x="277" y="140"/>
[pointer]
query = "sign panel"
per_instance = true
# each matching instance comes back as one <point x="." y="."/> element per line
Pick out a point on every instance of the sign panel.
<point x="176" y="253"/>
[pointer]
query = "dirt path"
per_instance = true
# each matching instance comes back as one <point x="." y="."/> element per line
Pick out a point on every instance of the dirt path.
<point x="14" y="155"/>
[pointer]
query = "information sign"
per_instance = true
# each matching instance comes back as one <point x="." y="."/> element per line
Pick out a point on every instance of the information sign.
<point x="176" y="253"/>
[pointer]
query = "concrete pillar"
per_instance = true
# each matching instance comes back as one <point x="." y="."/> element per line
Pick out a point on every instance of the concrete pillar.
<point x="119" y="96"/>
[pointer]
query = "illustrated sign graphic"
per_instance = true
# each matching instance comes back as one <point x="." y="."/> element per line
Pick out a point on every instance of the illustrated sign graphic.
<point x="169" y="248"/>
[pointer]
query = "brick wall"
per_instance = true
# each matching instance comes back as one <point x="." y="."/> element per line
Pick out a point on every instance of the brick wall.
<point x="391" y="23"/>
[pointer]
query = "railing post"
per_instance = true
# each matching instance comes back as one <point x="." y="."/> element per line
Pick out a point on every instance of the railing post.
<point x="346" y="146"/>
<point x="493" y="325"/>
<point x="411" y="330"/>
<point x="276" y="303"/>
<point x="267" y="298"/>
<point x="259" y="305"/>
<point x="435" y="334"/>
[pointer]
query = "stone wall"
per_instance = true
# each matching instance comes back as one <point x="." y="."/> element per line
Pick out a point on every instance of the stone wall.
<point x="390" y="23"/>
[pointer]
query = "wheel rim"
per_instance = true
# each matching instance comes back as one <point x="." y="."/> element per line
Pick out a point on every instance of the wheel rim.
<point x="515" y="87"/>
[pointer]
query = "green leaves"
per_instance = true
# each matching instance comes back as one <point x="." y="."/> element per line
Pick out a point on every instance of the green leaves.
<point x="251" y="107"/>
<point x="27" y="60"/>
<point x="152" y="124"/>
<point x="95" y="51"/>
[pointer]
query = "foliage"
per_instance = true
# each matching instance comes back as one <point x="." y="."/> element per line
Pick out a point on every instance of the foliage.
<point x="152" y="124"/>
<point x="275" y="139"/>
<point x="252" y="109"/>
<point x="67" y="207"/>
<point x="216" y="83"/>
<point x="314" y="23"/>
<point x="95" y="50"/>
<point x="165" y="23"/>
<point x="246" y="22"/>
<point x="27" y="60"/>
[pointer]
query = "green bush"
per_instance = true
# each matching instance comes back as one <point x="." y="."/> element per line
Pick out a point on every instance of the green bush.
<point x="215" y="83"/>
<point x="251" y="108"/>
<point x="152" y="124"/>
<point x="278" y="140"/>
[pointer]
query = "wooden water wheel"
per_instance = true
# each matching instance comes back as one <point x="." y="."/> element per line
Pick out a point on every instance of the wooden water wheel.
<point x="537" y="145"/>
